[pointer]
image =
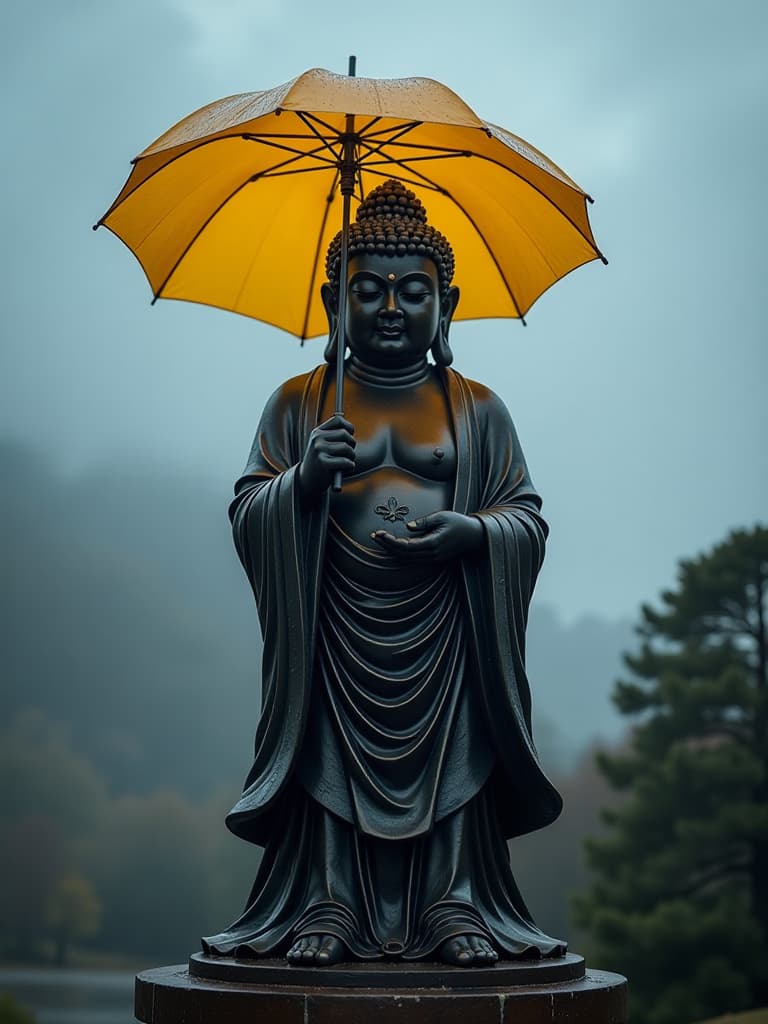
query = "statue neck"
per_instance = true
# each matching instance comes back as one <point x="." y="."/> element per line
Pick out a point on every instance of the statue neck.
<point x="388" y="376"/>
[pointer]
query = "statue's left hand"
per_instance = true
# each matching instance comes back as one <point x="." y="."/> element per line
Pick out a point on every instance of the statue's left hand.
<point x="437" y="537"/>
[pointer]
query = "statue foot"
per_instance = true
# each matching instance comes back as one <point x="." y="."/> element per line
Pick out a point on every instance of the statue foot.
<point x="317" y="950"/>
<point x="468" y="951"/>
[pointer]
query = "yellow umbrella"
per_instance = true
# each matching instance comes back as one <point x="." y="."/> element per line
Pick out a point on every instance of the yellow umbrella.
<point x="236" y="204"/>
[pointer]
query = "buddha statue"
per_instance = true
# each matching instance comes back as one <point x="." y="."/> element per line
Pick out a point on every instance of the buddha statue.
<point x="393" y="756"/>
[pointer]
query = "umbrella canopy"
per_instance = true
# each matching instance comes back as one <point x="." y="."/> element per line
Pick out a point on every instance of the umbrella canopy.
<point x="236" y="205"/>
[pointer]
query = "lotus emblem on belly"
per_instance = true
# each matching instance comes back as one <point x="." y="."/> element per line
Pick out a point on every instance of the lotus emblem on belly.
<point x="392" y="512"/>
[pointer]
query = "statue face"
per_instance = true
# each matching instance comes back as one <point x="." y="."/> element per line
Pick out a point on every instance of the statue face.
<point x="393" y="307"/>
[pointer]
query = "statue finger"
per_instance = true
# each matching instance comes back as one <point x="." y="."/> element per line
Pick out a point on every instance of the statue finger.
<point x="333" y="462"/>
<point x="425" y="542"/>
<point x="382" y="537"/>
<point x="417" y="525"/>
<point x="337" y="434"/>
<point x="339" y="448"/>
<point x="397" y="545"/>
<point x="429" y="522"/>
<point x="410" y="547"/>
<point x="337" y="420"/>
<point x="324" y="443"/>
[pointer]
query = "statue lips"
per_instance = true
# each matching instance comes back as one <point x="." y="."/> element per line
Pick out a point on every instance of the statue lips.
<point x="392" y="330"/>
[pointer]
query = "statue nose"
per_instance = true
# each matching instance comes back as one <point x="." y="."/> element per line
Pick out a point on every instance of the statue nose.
<point x="391" y="307"/>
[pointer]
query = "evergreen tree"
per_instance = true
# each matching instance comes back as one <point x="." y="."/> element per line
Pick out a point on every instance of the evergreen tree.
<point x="679" y="900"/>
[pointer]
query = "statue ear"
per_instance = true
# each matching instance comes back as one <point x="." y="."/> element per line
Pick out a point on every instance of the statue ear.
<point x="441" y="350"/>
<point x="331" y="303"/>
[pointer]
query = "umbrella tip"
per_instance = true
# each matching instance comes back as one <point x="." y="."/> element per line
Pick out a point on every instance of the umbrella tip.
<point x="96" y="226"/>
<point x="604" y="260"/>
<point x="352" y="66"/>
<point x="522" y="321"/>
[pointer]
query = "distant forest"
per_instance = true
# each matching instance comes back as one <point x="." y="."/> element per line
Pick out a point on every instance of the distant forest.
<point x="131" y="670"/>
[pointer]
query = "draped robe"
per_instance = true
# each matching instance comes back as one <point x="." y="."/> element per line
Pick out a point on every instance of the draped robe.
<point x="388" y="828"/>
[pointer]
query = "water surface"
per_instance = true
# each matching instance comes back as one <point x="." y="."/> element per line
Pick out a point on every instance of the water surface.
<point x="72" y="995"/>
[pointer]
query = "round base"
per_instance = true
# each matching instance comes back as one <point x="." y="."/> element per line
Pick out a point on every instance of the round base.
<point x="214" y="990"/>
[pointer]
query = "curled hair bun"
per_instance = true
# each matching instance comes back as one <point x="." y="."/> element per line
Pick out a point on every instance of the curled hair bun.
<point x="392" y="221"/>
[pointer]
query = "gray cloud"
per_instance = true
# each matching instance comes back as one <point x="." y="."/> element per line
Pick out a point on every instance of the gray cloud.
<point x="638" y="388"/>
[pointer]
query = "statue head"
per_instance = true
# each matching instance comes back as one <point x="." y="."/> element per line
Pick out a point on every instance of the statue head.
<point x="400" y="267"/>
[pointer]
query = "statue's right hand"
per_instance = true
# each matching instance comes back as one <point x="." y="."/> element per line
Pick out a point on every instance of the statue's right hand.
<point x="331" y="447"/>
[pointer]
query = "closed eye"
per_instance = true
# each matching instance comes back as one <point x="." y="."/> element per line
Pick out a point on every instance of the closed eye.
<point x="367" y="294"/>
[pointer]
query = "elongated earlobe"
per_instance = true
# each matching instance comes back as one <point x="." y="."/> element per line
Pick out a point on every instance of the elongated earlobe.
<point x="330" y="348"/>
<point x="441" y="350"/>
<point x="331" y="303"/>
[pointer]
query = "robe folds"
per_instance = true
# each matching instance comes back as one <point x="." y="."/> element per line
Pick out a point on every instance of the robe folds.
<point x="387" y="776"/>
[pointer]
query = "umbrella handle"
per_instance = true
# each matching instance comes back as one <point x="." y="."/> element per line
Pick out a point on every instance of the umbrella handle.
<point x="336" y="483"/>
<point x="347" y="185"/>
<point x="341" y="330"/>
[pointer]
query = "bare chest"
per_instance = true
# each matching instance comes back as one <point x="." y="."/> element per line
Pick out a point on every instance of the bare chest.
<point x="401" y="429"/>
<point x="405" y="459"/>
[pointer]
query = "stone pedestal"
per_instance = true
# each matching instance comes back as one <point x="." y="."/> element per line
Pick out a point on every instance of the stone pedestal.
<point x="223" y="991"/>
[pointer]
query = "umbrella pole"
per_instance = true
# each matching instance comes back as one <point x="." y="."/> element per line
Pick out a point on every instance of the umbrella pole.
<point x="341" y="329"/>
<point x="347" y="187"/>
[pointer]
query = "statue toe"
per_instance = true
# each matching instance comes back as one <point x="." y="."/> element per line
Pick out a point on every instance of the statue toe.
<point x="319" y="950"/>
<point x="468" y="951"/>
<point x="331" y="951"/>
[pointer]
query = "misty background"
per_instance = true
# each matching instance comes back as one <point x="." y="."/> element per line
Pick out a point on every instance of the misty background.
<point x="130" y="640"/>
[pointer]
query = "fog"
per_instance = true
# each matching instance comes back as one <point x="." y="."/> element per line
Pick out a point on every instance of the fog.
<point x="637" y="389"/>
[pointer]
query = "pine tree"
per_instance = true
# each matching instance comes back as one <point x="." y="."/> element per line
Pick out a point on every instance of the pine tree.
<point x="679" y="900"/>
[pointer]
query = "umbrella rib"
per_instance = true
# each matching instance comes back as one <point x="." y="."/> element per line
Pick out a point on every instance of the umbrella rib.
<point x="421" y="183"/>
<point x="313" y="117"/>
<point x="278" y="173"/>
<point x="277" y="169"/>
<point x="497" y="163"/>
<point x="423" y="178"/>
<point x="199" y="145"/>
<point x="431" y="148"/>
<point x="307" y="119"/>
<point x="491" y="253"/>
<point x="373" y="150"/>
<point x="365" y="128"/>
<point x="313" y="154"/>
<point x="363" y="134"/>
<point x="255" y="136"/>
<point x="371" y="123"/>
<point x="398" y="129"/>
<point x="416" y="159"/>
<point x="200" y="230"/>
<point x="313" y="276"/>
<point x="587" y="238"/>
<point x="445" y="151"/>
<point x="326" y="143"/>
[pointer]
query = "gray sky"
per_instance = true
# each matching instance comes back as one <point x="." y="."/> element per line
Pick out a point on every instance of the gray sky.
<point x="638" y="389"/>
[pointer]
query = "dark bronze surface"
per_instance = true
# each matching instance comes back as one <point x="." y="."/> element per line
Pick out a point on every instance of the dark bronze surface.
<point x="394" y="755"/>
